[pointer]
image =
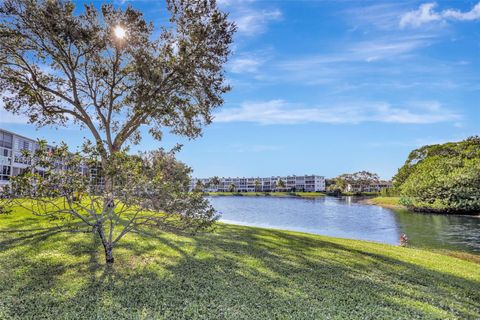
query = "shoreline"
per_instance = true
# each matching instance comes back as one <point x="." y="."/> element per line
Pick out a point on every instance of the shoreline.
<point x="385" y="202"/>
<point x="392" y="203"/>
<point x="459" y="254"/>
<point x="286" y="194"/>
<point x="267" y="194"/>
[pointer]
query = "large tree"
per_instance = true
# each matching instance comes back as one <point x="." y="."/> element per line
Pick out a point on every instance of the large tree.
<point x="147" y="190"/>
<point x="360" y="180"/>
<point x="444" y="178"/>
<point x="103" y="70"/>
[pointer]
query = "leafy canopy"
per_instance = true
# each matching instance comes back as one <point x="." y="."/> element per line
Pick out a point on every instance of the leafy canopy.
<point x="57" y="66"/>
<point x="442" y="177"/>
<point x="361" y="179"/>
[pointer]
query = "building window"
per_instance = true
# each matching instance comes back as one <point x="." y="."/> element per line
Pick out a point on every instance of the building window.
<point x="5" y="152"/>
<point x="5" y="172"/>
<point x="6" y="140"/>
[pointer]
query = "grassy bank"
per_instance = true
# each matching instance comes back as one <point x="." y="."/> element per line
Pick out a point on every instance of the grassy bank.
<point x="386" y="202"/>
<point x="360" y="194"/>
<point x="269" y="194"/>
<point x="233" y="273"/>
<point x="393" y="203"/>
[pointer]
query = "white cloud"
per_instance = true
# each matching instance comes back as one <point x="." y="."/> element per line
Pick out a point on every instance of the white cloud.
<point x="244" y="64"/>
<point x="473" y="14"/>
<point x="365" y="51"/>
<point x="426" y="14"/>
<point x="387" y="49"/>
<point x="381" y="16"/>
<point x="282" y="112"/>
<point x="358" y="61"/>
<point x="422" y="15"/>
<point x="252" y="22"/>
<point x="249" y="61"/>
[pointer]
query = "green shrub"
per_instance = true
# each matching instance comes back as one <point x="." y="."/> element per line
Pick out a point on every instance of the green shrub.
<point x="443" y="178"/>
<point x="389" y="192"/>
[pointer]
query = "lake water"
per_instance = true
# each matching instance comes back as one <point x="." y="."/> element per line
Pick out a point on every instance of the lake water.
<point x="348" y="218"/>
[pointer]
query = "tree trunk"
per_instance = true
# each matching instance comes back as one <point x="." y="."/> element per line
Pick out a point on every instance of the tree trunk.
<point x="109" y="254"/>
<point x="108" y="205"/>
<point x="107" y="246"/>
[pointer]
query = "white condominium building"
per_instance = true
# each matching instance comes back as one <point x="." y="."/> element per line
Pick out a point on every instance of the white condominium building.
<point x="307" y="183"/>
<point x="12" y="160"/>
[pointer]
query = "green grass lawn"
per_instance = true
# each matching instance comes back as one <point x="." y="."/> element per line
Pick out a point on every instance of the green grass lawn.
<point x="388" y="202"/>
<point x="232" y="273"/>
<point x="272" y="194"/>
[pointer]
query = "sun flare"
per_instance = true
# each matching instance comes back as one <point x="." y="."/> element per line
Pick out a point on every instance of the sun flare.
<point x="120" y="32"/>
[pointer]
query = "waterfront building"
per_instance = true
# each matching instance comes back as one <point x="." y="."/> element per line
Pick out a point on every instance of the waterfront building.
<point x="305" y="183"/>
<point x="12" y="159"/>
<point x="13" y="162"/>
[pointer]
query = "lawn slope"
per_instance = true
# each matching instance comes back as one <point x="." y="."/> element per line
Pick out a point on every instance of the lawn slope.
<point x="386" y="202"/>
<point x="233" y="273"/>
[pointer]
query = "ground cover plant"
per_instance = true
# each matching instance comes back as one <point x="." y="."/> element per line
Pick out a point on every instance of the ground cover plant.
<point x="232" y="273"/>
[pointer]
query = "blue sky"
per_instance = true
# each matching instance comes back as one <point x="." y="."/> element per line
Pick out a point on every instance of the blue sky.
<point x="328" y="87"/>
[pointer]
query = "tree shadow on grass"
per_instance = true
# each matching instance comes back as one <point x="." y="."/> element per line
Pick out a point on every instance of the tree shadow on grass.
<point x="28" y="237"/>
<point x="243" y="273"/>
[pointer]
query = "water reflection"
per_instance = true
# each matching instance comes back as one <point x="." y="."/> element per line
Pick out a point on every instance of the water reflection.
<point x="440" y="231"/>
<point x="348" y="218"/>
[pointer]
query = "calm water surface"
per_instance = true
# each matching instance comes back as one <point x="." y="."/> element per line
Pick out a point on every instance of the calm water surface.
<point x="347" y="218"/>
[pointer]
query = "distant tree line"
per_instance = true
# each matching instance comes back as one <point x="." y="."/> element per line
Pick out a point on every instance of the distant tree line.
<point x="361" y="181"/>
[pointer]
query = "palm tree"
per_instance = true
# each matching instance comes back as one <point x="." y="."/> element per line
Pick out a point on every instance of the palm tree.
<point x="257" y="185"/>
<point x="215" y="181"/>
<point x="280" y="184"/>
<point x="232" y="187"/>
<point x="199" y="186"/>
